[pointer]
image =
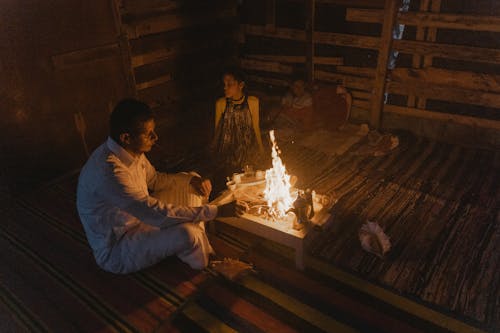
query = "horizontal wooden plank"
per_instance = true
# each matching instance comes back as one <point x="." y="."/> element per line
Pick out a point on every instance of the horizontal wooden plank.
<point x="267" y="66"/>
<point x="282" y="33"/>
<point x="329" y="38"/>
<point x="349" y="40"/>
<point x="356" y="94"/>
<point x="278" y="58"/>
<point x="164" y="23"/>
<point x="267" y="80"/>
<point x="354" y="3"/>
<point x="454" y="118"/>
<point x="328" y="60"/>
<point x="443" y="93"/>
<point x="359" y="114"/>
<point x="432" y="20"/>
<point x="349" y="81"/>
<point x="297" y="59"/>
<point x="350" y="3"/>
<point x="80" y="57"/>
<point x="458" y="52"/>
<point x="182" y="47"/>
<point x="459" y="79"/>
<point x="155" y="82"/>
<point x="362" y="104"/>
<point x="360" y="71"/>
<point x="138" y="7"/>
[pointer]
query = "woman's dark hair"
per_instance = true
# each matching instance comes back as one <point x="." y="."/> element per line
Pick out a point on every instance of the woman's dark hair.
<point x="235" y="72"/>
<point x="128" y="116"/>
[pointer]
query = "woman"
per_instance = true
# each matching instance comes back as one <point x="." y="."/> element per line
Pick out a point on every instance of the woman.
<point x="237" y="139"/>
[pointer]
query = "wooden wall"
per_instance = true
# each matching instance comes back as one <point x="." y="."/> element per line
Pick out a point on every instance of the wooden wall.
<point x="446" y="82"/>
<point x="178" y="50"/>
<point x="61" y="70"/>
<point x="65" y="63"/>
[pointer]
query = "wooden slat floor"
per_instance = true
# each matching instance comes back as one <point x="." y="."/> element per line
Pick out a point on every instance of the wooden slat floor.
<point x="438" y="203"/>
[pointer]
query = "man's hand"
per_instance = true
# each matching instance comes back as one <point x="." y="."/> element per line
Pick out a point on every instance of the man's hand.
<point x="202" y="186"/>
<point x="233" y="208"/>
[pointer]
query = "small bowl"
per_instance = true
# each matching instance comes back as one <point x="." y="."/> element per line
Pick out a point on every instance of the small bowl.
<point x="231" y="185"/>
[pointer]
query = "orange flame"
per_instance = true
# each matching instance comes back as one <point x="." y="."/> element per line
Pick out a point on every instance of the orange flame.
<point x="277" y="192"/>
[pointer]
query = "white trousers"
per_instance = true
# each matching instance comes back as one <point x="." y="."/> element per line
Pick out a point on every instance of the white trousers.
<point x="145" y="245"/>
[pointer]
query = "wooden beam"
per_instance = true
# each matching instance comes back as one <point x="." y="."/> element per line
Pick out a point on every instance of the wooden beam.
<point x="349" y="81"/>
<point x="391" y="9"/>
<point x="155" y="82"/>
<point x="282" y="33"/>
<point x="271" y="15"/>
<point x="297" y="59"/>
<point x="444" y="77"/>
<point x="180" y="48"/>
<point x="267" y="80"/>
<point x="360" y="3"/>
<point x="457" y="95"/>
<point x="359" y="71"/>
<point x="267" y="66"/>
<point x="85" y="56"/>
<point x="417" y="59"/>
<point x="362" y="104"/>
<point x="165" y="23"/>
<point x="441" y="116"/>
<point x="338" y="39"/>
<point x="458" y="52"/>
<point x="310" y="14"/>
<point x="139" y="7"/>
<point x="431" y="37"/>
<point x="426" y="19"/>
<point x="356" y="94"/>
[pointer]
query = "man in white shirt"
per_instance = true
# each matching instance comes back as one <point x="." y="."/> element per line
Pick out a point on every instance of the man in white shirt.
<point x="128" y="228"/>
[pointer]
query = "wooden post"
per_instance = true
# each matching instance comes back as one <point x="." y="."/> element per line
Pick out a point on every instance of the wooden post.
<point x="310" y="12"/>
<point x="124" y="45"/>
<point x="391" y="9"/>
<point x="271" y="15"/>
<point x="417" y="59"/>
<point x="431" y="37"/>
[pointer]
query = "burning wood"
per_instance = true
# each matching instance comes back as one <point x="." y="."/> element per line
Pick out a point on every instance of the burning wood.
<point x="277" y="192"/>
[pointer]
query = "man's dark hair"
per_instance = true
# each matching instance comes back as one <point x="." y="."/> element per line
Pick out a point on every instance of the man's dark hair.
<point x="127" y="117"/>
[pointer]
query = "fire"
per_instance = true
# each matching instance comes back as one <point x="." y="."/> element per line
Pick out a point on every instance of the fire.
<point x="277" y="191"/>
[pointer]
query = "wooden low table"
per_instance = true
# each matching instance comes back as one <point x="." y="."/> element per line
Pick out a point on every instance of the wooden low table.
<point x="280" y="232"/>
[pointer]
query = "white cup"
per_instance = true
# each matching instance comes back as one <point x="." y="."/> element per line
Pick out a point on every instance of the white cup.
<point x="237" y="178"/>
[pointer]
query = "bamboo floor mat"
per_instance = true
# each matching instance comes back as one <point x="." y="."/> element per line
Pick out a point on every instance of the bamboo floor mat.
<point x="438" y="203"/>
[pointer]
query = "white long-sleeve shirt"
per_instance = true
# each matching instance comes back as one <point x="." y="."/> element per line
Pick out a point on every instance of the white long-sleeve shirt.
<point x="113" y="196"/>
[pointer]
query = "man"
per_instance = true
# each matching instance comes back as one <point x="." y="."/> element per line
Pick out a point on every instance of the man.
<point x="127" y="227"/>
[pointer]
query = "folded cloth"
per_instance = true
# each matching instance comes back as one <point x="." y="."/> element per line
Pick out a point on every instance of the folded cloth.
<point x="231" y="269"/>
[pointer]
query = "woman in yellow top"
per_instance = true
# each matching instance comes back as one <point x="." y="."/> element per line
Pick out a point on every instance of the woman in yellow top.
<point x="237" y="139"/>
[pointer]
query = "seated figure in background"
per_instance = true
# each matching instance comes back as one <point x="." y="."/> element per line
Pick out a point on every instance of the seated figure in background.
<point x="327" y="107"/>
<point x="332" y="107"/>
<point x="297" y="105"/>
<point x="135" y="216"/>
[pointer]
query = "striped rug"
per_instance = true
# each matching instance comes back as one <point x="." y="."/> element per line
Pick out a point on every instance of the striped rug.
<point x="49" y="281"/>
